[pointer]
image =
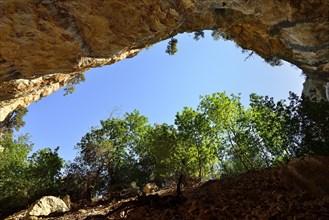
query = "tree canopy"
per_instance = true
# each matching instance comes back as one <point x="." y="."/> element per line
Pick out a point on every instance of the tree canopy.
<point x="218" y="138"/>
<point x="26" y="178"/>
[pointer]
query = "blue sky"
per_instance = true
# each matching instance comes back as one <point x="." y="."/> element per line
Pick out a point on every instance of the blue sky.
<point x="156" y="84"/>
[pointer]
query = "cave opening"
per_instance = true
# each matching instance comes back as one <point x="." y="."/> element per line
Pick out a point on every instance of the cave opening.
<point x="158" y="86"/>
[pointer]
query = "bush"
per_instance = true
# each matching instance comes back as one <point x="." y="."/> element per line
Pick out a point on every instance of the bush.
<point x="24" y="178"/>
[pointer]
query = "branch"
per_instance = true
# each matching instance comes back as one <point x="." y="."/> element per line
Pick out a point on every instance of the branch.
<point x="249" y="56"/>
<point x="150" y="200"/>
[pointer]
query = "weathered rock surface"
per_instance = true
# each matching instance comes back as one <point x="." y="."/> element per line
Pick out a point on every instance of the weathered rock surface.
<point x="44" y="44"/>
<point x="46" y="206"/>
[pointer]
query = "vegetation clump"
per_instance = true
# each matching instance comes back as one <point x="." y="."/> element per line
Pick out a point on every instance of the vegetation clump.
<point x="24" y="178"/>
<point x="198" y="35"/>
<point x="218" y="35"/>
<point x="70" y="88"/>
<point x="220" y="137"/>
<point x="172" y="46"/>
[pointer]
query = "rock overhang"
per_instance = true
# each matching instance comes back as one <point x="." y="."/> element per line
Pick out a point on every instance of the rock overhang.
<point x="45" y="44"/>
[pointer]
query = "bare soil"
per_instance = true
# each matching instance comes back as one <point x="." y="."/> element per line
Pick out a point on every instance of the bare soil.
<point x="299" y="190"/>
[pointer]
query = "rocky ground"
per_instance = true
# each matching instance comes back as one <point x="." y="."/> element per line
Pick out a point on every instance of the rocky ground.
<point x="299" y="190"/>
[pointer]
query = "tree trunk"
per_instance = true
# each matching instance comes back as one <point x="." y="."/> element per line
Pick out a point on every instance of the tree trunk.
<point x="44" y="44"/>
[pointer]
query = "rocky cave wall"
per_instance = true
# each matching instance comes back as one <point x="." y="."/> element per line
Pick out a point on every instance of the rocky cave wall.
<point x="44" y="44"/>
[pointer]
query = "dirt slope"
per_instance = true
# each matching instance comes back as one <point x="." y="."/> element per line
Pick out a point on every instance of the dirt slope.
<point x="299" y="190"/>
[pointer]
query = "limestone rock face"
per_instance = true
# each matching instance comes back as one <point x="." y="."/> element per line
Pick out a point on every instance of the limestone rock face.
<point x="44" y="44"/>
<point x="47" y="205"/>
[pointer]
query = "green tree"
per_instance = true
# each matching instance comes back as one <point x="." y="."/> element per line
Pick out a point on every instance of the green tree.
<point x="269" y="121"/>
<point x="109" y="154"/>
<point x="78" y="180"/>
<point x="197" y="142"/>
<point x="44" y="171"/>
<point x="158" y="153"/>
<point x="13" y="174"/>
<point x="220" y="137"/>
<point x="226" y="116"/>
<point x="13" y="122"/>
<point x="24" y="178"/>
<point x="198" y="35"/>
<point x="313" y="118"/>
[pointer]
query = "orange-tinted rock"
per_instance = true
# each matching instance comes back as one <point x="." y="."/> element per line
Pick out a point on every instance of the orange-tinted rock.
<point x="44" y="44"/>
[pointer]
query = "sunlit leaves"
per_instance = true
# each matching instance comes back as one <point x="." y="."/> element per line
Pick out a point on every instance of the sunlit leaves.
<point x="219" y="137"/>
<point x="109" y="152"/>
<point x="13" y="122"/>
<point x="24" y="178"/>
<point x="70" y="88"/>
<point x="197" y="139"/>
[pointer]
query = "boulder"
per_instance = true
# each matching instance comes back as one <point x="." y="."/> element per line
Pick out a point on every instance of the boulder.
<point x="67" y="200"/>
<point x="150" y="188"/>
<point x="46" y="206"/>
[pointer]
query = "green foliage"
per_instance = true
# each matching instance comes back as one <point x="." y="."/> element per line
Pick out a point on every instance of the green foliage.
<point x="273" y="61"/>
<point x="44" y="171"/>
<point x="158" y="152"/>
<point x="269" y="121"/>
<point x="13" y="122"/>
<point x="198" y="35"/>
<point x="172" y="46"/>
<point x="217" y="35"/>
<point x="149" y="47"/>
<point x="227" y="118"/>
<point x="107" y="155"/>
<point x="294" y="129"/>
<point x="77" y="181"/>
<point x="24" y="178"/>
<point x="221" y="137"/>
<point x="197" y="142"/>
<point x="313" y="118"/>
<point x="70" y="88"/>
<point x="13" y="167"/>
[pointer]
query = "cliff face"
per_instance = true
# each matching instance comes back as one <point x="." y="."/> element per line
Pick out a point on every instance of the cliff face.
<point x="44" y="44"/>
